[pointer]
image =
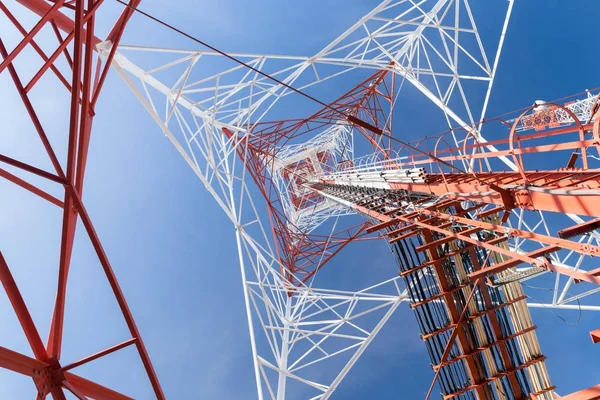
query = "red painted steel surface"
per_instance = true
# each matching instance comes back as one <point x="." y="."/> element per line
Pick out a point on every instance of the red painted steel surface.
<point x="76" y="43"/>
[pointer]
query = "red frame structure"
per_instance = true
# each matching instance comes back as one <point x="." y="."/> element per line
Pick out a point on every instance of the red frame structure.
<point x="84" y="82"/>
<point x="368" y="108"/>
<point x="564" y="190"/>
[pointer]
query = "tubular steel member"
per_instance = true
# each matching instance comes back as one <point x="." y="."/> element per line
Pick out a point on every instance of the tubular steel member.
<point x="84" y="83"/>
<point x="480" y="338"/>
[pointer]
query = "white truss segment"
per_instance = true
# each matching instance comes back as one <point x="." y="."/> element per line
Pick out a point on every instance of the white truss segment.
<point x="582" y="108"/>
<point x="193" y="95"/>
<point x="434" y="45"/>
<point x="297" y="332"/>
<point x="304" y="162"/>
<point x="312" y="330"/>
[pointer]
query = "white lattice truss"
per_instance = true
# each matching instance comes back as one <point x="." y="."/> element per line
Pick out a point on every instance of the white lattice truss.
<point x="194" y="94"/>
<point x="336" y="143"/>
<point x="582" y="108"/>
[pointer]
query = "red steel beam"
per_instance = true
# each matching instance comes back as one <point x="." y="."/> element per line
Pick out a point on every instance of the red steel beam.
<point x="18" y="304"/>
<point x="37" y="48"/>
<point x="32" y="169"/>
<point x="94" y="390"/>
<point x="592" y="393"/>
<point x="457" y="319"/>
<point x="457" y="333"/>
<point x="513" y="262"/>
<point x="496" y="377"/>
<point x="69" y="386"/>
<point x="32" y="114"/>
<point x="475" y="316"/>
<point x="80" y="32"/>
<point x="28" y="186"/>
<point x="19" y="363"/>
<point x="579" y="229"/>
<point x="98" y="355"/>
<point x="423" y="226"/>
<point x="494" y="321"/>
<point x="565" y="244"/>
<point x="91" y="11"/>
<point x="50" y="13"/>
<point x="412" y="219"/>
<point x="40" y="7"/>
<point x="441" y="294"/>
<point x="68" y="224"/>
<point x="486" y="347"/>
<point x="595" y="335"/>
<point x="561" y="202"/>
<point x="114" y="284"/>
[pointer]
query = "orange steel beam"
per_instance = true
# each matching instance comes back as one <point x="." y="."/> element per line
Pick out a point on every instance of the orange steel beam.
<point x="23" y="315"/>
<point x="579" y="229"/>
<point x="423" y="216"/>
<point x="439" y="295"/>
<point x="94" y="390"/>
<point x="501" y="340"/>
<point x="458" y="333"/>
<point x="530" y="136"/>
<point x="595" y="335"/>
<point x="503" y="266"/>
<point x="469" y="247"/>
<point x="553" y="191"/>
<point x="592" y="393"/>
<point x="19" y="363"/>
<point x="535" y="395"/>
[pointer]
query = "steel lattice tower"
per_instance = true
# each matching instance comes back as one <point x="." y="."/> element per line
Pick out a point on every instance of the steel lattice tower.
<point x="467" y="217"/>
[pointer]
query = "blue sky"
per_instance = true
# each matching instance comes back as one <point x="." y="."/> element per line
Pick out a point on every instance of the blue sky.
<point x="173" y="249"/>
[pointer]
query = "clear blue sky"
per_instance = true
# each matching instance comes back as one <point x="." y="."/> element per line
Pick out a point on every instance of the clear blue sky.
<point x="174" y="251"/>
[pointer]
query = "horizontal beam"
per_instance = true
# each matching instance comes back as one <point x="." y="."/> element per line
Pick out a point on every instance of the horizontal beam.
<point x="513" y="262"/>
<point x="579" y="229"/>
<point x="98" y="355"/>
